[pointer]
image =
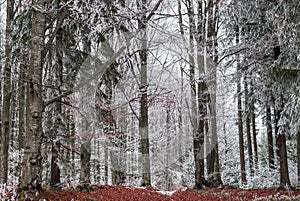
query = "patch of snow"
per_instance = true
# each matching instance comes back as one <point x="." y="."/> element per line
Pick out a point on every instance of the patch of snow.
<point x="169" y="193"/>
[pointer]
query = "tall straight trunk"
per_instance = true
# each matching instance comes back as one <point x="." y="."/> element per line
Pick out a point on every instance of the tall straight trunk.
<point x="280" y="137"/>
<point x="284" y="171"/>
<point x="198" y="136"/>
<point x="143" y="119"/>
<point x="202" y="90"/>
<point x="282" y="154"/>
<point x="276" y="132"/>
<point x="248" y="126"/>
<point x="180" y="118"/>
<point x="55" y="151"/>
<point x="211" y="63"/>
<point x="6" y="101"/>
<point x="240" y="114"/>
<point x="211" y="84"/>
<point x="168" y="153"/>
<point x="85" y="157"/>
<point x="22" y="91"/>
<point x="298" y="159"/>
<point x="253" y="118"/>
<point x="32" y="164"/>
<point x="270" y="137"/>
<point x="217" y="168"/>
<point x="55" y="170"/>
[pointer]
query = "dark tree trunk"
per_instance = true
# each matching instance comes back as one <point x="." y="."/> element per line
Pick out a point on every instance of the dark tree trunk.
<point x="253" y="116"/>
<point x="284" y="171"/>
<point x="282" y="154"/>
<point x="248" y="127"/>
<point x="270" y="137"/>
<point x="55" y="171"/>
<point x="240" y="117"/>
<point x="298" y="159"/>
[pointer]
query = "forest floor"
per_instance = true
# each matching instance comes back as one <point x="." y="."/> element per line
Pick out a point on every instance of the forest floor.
<point x="111" y="193"/>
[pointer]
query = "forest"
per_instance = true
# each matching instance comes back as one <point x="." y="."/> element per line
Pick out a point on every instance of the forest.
<point x="162" y="94"/>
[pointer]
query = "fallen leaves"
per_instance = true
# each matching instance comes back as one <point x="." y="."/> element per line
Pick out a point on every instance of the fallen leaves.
<point x="111" y="193"/>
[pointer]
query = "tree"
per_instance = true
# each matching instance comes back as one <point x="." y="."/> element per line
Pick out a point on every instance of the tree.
<point x="212" y="68"/>
<point x="5" y="116"/>
<point x="240" y="113"/>
<point x="270" y="136"/>
<point x="248" y="125"/>
<point x="143" y="118"/>
<point x="298" y="159"/>
<point x="31" y="175"/>
<point x="197" y="127"/>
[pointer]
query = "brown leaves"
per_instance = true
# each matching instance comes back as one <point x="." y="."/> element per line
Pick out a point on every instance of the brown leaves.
<point x="138" y="194"/>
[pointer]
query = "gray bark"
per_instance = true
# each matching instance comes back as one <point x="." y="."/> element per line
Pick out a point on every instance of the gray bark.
<point x="248" y="126"/>
<point x="22" y="91"/>
<point x="298" y="159"/>
<point x="143" y="118"/>
<point x="212" y="60"/>
<point x="32" y="163"/>
<point x="270" y="137"/>
<point x="240" y="116"/>
<point x="6" y="101"/>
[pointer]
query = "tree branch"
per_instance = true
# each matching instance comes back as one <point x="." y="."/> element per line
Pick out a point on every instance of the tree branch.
<point x="59" y="24"/>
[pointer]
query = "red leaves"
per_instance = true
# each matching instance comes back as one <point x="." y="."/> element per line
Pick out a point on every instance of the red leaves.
<point x="138" y="194"/>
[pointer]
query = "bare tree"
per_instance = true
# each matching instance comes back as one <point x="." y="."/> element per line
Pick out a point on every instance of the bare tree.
<point x="6" y="105"/>
<point x="31" y="175"/>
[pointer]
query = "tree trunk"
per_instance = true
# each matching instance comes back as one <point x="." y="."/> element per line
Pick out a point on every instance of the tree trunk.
<point x="6" y="101"/>
<point x="198" y="130"/>
<point x="240" y="116"/>
<point x="32" y="164"/>
<point x="248" y="127"/>
<point x="284" y="171"/>
<point x="143" y="119"/>
<point x="270" y="137"/>
<point x="180" y="111"/>
<point x="282" y="154"/>
<point x="212" y="65"/>
<point x="298" y="159"/>
<point x="22" y="91"/>
<point x="55" y="171"/>
<point x="253" y="116"/>
<point x="85" y="157"/>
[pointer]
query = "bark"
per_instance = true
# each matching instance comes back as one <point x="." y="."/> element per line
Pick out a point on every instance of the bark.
<point x="143" y="118"/>
<point x="31" y="177"/>
<point x="85" y="157"/>
<point x="284" y="171"/>
<point x="270" y="137"/>
<point x="276" y="132"/>
<point x="248" y="127"/>
<point x="55" y="151"/>
<point x="198" y="134"/>
<point x="55" y="170"/>
<point x="180" y="117"/>
<point x="253" y="117"/>
<point x="21" y="120"/>
<point x="240" y="116"/>
<point x="282" y="154"/>
<point x="298" y="159"/>
<point x="6" y="101"/>
<point x="280" y="137"/>
<point x="212" y="65"/>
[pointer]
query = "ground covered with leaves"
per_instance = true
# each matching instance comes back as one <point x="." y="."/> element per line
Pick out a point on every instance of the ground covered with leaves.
<point x="138" y="194"/>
